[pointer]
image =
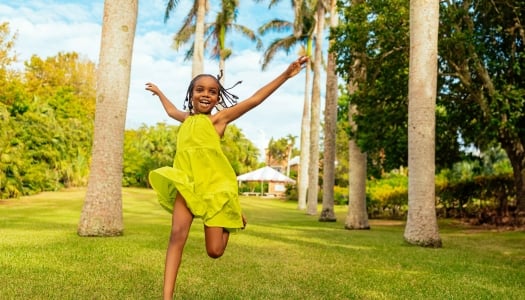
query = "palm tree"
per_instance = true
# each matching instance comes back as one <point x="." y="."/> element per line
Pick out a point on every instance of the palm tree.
<point x="315" y="119"/>
<point x="102" y="211"/>
<point x="192" y="25"/>
<point x="305" y="40"/>
<point x="421" y="227"/>
<point x="291" y="143"/>
<point x="330" y="128"/>
<point x="216" y="33"/>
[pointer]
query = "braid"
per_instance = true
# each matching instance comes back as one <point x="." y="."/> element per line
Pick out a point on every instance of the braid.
<point x="226" y="98"/>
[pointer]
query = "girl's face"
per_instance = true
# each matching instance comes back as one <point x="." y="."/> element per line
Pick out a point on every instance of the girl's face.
<point x="205" y="95"/>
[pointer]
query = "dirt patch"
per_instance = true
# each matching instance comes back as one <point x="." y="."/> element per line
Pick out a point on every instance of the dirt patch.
<point x="385" y="222"/>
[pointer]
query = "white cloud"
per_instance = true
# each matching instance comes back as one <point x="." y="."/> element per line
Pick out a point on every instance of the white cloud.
<point x="42" y="31"/>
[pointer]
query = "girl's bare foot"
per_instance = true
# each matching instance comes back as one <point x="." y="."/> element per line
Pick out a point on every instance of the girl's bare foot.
<point x="244" y="222"/>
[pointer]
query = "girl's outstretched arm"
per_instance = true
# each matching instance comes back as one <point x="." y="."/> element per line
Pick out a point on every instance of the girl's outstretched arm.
<point x="228" y="115"/>
<point x="170" y="109"/>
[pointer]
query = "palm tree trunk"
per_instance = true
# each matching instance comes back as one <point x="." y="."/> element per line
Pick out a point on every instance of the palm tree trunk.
<point x="357" y="216"/>
<point x="304" y="159"/>
<point x="298" y="25"/>
<point x="315" y="119"/>
<point x="330" y="129"/>
<point x="102" y="211"/>
<point x="421" y="227"/>
<point x="198" y="46"/>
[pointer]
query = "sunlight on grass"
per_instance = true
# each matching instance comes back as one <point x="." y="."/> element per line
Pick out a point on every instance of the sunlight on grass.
<point x="283" y="254"/>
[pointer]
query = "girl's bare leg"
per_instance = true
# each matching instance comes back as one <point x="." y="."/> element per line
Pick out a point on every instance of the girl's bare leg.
<point x="216" y="241"/>
<point x="180" y="228"/>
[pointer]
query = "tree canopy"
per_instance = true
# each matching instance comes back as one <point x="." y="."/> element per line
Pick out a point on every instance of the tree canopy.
<point x="46" y="113"/>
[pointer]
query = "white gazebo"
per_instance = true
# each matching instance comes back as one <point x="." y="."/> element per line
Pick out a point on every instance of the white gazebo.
<point x="265" y="174"/>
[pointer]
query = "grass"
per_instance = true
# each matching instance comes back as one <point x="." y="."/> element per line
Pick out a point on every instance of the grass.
<point x="283" y="254"/>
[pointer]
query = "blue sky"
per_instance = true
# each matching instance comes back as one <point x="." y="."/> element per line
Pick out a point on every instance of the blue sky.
<point x="46" y="27"/>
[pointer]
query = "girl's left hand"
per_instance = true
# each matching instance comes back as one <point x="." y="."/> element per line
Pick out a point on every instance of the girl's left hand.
<point x="296" y="66"/>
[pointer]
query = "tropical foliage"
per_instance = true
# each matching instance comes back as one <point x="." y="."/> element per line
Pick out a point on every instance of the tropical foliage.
<point x="480" y="100"/>
<point x="46" y="116"/>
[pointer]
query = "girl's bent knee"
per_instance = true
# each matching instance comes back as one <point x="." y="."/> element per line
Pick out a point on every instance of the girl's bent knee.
<point x="215" y="252"/>
<point x="215" y="255"/>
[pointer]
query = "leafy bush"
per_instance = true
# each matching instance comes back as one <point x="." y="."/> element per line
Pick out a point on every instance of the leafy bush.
<point x="340" y="195"/>
<point x="388" y="196"/>
<point x="469" y="197"/>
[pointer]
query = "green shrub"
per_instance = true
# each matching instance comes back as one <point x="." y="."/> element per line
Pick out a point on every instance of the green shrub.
<point x="340" y="195"/>
<point x="469" y="197"/>
<point x="388" y="196"/>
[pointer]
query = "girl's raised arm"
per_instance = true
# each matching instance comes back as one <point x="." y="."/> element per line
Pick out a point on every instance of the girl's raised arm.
<point x="228" y="115"/>
<point x="169" y="107"/>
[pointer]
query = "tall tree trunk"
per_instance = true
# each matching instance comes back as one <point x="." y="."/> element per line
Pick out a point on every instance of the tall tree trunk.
<point x="304" y="159"/>
<point x="315" y="119"/>
<point x="102" y="211"/>
<point x="421" y="227"/>
<point x="297" y="25"/>
<point x="197" y="66"/>
<point x="357" y="216"/>
<point x="516" y="153"/>
<point x="330" y="128"/>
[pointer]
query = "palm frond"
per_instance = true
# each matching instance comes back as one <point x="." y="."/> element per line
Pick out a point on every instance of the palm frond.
<point x="285" y="44"/>
<point x="183" y="36"/>
<point x="169" y="7"/>
<point x="248" y="33"/>
<point x="275" y="25"/>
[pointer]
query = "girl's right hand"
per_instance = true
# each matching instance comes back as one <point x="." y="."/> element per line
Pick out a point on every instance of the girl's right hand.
<point x="153" y="88"/>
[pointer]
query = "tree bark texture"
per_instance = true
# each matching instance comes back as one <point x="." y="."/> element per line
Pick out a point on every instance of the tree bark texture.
<point x="315" y="118"/>
<point x="357" y="217"/>
<point x="330" y="129"/>
<point x="304" y="159"/>
<point x="421" y="227"/>
<point x="197" y="66"/>
<point x="102" y="211"/>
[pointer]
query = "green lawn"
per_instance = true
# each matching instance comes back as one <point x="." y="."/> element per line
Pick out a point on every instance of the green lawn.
<point x="283" y="254"/>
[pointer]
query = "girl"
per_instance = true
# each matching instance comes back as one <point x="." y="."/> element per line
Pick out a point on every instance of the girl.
<point x="202" y="182"/>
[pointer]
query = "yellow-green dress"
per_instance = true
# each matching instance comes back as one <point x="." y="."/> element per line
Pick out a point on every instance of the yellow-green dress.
<point x="202" y="174"/>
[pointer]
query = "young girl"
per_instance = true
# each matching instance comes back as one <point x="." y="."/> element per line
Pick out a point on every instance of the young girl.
<point x="202" y="182"/>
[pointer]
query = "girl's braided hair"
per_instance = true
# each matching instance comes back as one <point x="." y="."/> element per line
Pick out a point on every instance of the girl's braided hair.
<point x="226" y="99"/>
